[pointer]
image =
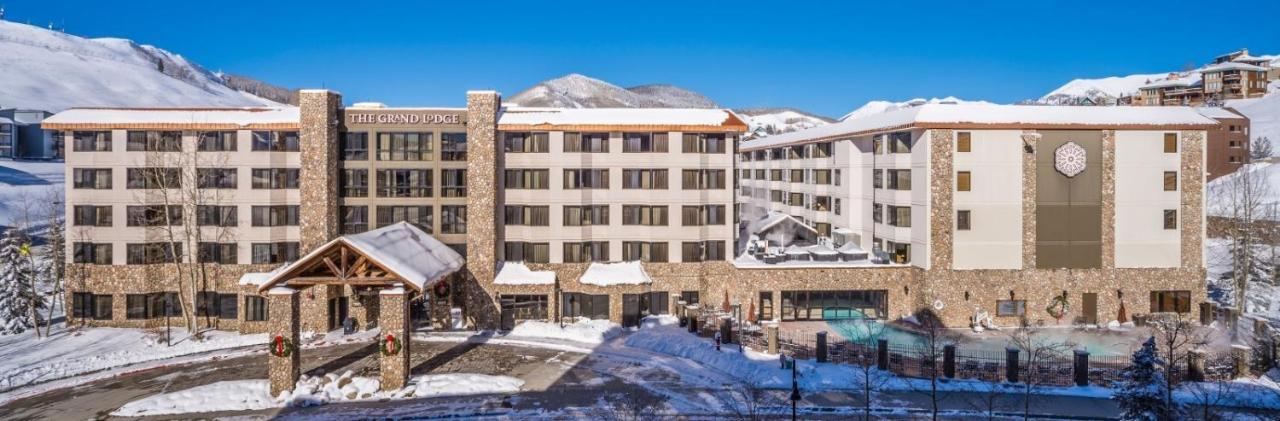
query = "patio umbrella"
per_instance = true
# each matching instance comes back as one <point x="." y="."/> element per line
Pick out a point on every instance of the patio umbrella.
<point x="751" y="312"/>
<point x="1123" y="317"/>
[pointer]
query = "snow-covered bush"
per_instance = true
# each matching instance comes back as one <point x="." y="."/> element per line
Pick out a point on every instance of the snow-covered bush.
<point x="1142" y="394"/>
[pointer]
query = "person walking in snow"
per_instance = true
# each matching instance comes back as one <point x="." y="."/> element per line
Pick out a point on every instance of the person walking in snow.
<point x="717" y="341"/>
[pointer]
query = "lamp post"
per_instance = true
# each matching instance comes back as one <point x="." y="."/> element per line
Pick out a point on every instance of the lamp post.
<point x="737" y="321"/>
<point x="795" y="389"/>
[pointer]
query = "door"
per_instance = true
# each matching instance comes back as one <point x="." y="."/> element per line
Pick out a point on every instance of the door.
<point x="1089" y="307"/>
<point x="508" y="315"/>
<point x="630" y="310"/>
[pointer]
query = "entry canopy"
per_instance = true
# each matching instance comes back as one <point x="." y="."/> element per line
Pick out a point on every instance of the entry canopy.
<point x="397" y="253"/>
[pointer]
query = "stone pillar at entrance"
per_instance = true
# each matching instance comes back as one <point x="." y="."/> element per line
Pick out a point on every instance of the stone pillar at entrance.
<point x="282" y="322"/>
<point x="393" y="318"/>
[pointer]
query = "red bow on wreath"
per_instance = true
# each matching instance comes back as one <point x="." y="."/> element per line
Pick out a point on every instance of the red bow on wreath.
<point x="391" y="346"/>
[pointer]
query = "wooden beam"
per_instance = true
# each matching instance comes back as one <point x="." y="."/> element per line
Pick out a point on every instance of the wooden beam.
<point x="367" y="282"/>
<point x="358" y="265"/>
<point x="352" y="279"/>
<point x="333" y="267"/>
<point x="343" y="261"/>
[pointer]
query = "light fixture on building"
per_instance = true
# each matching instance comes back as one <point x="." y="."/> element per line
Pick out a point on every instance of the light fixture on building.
<point x="966" y="295"/>
<point x="906" y="290"/>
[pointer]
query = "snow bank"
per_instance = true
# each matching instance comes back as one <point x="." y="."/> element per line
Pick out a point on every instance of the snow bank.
<point x="649" y="322"/>
<point x="248" y="395"/>
<point x="584" y="330"/>
<point x="620" y="273"/>
<point x="25" y="360"/>
<point x="516" y="273"/>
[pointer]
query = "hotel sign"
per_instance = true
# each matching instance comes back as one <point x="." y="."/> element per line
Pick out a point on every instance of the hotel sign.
<point x="402" y="118"/>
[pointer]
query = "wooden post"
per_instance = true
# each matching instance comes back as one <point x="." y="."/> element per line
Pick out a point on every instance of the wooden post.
<point x="882" y="354"/>
<point x="822" y="347"/>
<point x="1011" y="364"/>
<point x="393" y="318"/>
<point x="949" y="361"/>
<point x="284" y="328"/>
<point x="1240" y="361"/>
<point x="1195" y="365"/>
<point x="1081" y="368"/>
<point x="771" y="331"/>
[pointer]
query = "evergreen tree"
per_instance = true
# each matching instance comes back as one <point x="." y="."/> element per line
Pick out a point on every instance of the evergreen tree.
<point x="1141" y="394"/>
<point x="1259" y="149"/>
<point x="17" y="293"/>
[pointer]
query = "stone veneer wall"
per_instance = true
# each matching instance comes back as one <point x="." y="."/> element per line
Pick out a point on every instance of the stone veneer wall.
<point x="1192" y="214"/>
<point x="121" y="280"/>
<point x="1108" y="207"/>
<point x="283" y="317"/>
<point x="482" y="204"/>
<point x="941" y="189"/>
<point x="1030" y="139"/>
<point x="318" y="178"/>
<point x="394" y="321"/>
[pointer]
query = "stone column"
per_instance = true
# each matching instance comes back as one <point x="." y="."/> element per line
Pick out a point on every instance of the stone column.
<point x="941" y="190"/>
<point x="283" y="321"/>
<point x="1108" y="237"/>
<point x="1191" y="217"/>
<point x="318" y="176"/>
<point x="483" y="162"/>
<point x="1030" y="139"/>
<point x="393" y="318"/>
<point x="1240" y="361"/>
<point x="771" y="332"/>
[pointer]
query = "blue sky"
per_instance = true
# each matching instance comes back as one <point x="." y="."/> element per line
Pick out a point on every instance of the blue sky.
<point x="825" y="57"/>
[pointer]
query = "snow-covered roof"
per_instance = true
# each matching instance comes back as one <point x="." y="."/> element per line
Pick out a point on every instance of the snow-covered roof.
<point x="1172" y="83"/>
<point x="620" y="273"/>
<point x="1233" y="65"/>
<point x="226" y="118"/>
<point x="772" y="219"/>
<point x="401" y="248"/>
<point x="516" y="273"/>
<point x="261" y="278"/>
<point x="993" y="116"/>
<point x="706" y="118"/>
<point x="821" y="250"/>
<point x="1217" y="112"/>
<point x="4" y="120"/>
<point x="850" y="248"/>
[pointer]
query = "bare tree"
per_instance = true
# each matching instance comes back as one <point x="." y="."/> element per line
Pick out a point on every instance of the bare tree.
<point x="1242" y="198"/>
<point x="934" y="339"/>
<point x="1209" y="397"/>
<point x="628" y="407"/>
<point x="1038" y="350"/>
<point x="867" y="334"/>
<point x="987" y="399"/>
<point x="1176" y="336"/>
<point x="747" y="397"/>
<point x="56" y="250"/>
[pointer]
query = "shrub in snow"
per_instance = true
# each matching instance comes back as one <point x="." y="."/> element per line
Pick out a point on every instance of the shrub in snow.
<point x="1141" y="395"/>
<point x="19" y="303"/>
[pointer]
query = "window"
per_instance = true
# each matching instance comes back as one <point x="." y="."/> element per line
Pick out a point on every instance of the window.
<point x="275" y="178"/>
<point x="650" y="179"/>
<point x="355" y="219"/>
<point x="586" y="179"/>
<point x="355" y="146"/>
<point x="286" y="251"/>
<point x="963" y="142"/>
<point x="227" y="306"/>
<point x="91" y="141"/>
<point x="644" y="215"/>
<point x="404" y="147"/>
<point x="1011" y="307"/>
<point x="453" y="146"/>
<point x="1170" y="219"/>
<point x="527" y="179"/>
<point x="152" y="141"/>
<point x="821" y="203"/>
<point x="759" y="175"/>
<point x="837" y="206"/>
<point x="703" y="179"/>
<point x="775" y="175"/>
<point x="704" y="143"/>
<point x="527" y="215"/>
<point x="900" y="142"/>
<point x="654" y="302"/>
<point x="797" y="199"/>
<point x="153" y="178"/>
<point x="1170" y="181"/>
<point x="823" y="229"/>
<point x="255" y="308"/>
<point x="216" y="178"/>
<point x="92" y="178"/>
<point x="898" y="179"/>
<point x="274" y="216"/>
<point x="821" y="150"/>
<point x="795" y="176"/>
<point x="524" y="142"/>
<point x="899" y="252"/>
<point x="821" y="176"/>
<point x="702" y="251"/>
<point x="644" y="142"/>
<point x="517" y="251"/>
<point x="159" y="302"/>
<point x="92" y="216"/>
<point x="877" y="213"/>
<point x="1170" y="143"/>
<point x="354" y="182"/>
<point x="153" y="215"/>
<point x="877" y="143"/>
<point x="1171" y="301"/>
<point x="689" y="297"/>
<point x="837" y="177"/>
<point x="223" y="253"/>
<point x="206" y="304"/>
<point x="91" y="306"/>
<point x="899" y="216"/>
<point x="275" y="141"/>
<point x="877" y="179"/>
<point x="574" y="304"/>
<point x="92" y="253"/>
<point x="963" y="181"/>
<point x="152" y="253"/>
<point x="586" y="142"/>
<point x="453" y="183"/>
<point x="588" y="251"/>
<point x="216" y="141"/>
<point x="766" y="306"/>
<point x="404" y="183"/>
<point x="702" y="215"/>
<point x="777" y="196"/>
<point x="216" y="216"/>
<point x="962" y="220"/>
<point x="136" y="306"/>
<point x="576" y="216"/>
<point x="419" y="216"/>
<point x="453" y="219"/>
<point x="645" y="252"/>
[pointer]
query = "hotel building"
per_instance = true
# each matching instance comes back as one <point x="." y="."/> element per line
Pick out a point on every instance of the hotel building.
<point x="617" y="213"/>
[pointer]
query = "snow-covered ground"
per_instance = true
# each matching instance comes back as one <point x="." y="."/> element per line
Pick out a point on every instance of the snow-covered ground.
<point x="877" y="107"/>
<point x="584" y="331"/>
<point x="30" y="185"/>
<point x="248" y="395"/>
<point x="25" y="359"/>
<point x="1264" y="116"/>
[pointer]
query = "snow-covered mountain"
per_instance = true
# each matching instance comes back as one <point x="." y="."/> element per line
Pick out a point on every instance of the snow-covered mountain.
<point x="876" y="107"/>
<point x="1107" y="87"/>
<point x="578" y="91"/>
<point x="768" y="121"/>
<point x="1264" y="115"/>
<point x="49" y="70"/>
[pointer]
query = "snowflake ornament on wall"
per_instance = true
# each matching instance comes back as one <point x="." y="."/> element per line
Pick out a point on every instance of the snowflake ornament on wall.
<point x="1069" y="159"/>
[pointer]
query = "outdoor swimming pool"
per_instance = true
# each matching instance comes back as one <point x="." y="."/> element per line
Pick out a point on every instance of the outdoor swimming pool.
<point x="1099" y="342"/>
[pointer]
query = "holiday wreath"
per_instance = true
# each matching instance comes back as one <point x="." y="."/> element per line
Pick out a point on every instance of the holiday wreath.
<point x="1058" y="307"/>
<point x="281" y="347"/>
<point x="390" y="346"/>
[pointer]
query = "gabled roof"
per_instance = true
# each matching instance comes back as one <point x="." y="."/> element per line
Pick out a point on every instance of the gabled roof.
<point x="1233" y="65"/>
<point x="175" y="118"/>
<point x="402" y="249"/>
<point x="606" y="119"/>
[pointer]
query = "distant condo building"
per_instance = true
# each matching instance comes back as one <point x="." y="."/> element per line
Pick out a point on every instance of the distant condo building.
<point x="968" y="210"/>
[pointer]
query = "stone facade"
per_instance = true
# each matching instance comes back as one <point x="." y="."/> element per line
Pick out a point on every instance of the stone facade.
<point x="482" y="201"/>
<point x="393" y="319"/>
<point x="318" y="181"/>
<point x="284" y="317"/>
<point x="941" y="186"/>
<point x="1030" y="139"/>
<point x="1108" y="199"/>
<point x="119" y="281"/>
<point x="1192" y="213"/>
